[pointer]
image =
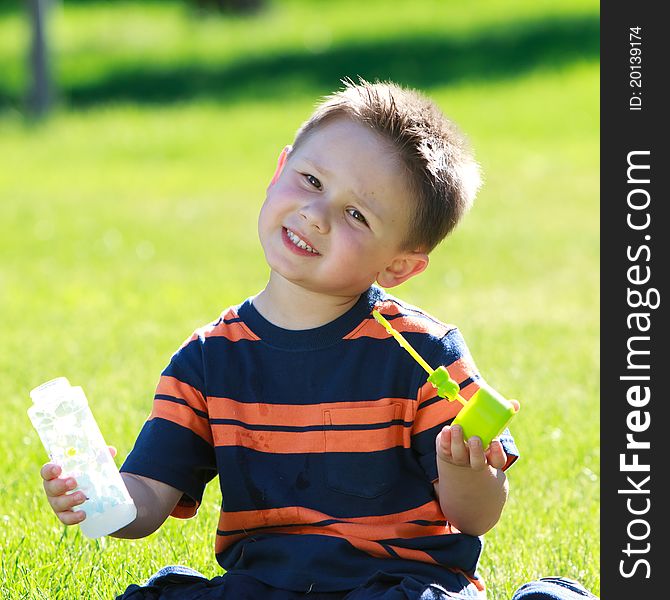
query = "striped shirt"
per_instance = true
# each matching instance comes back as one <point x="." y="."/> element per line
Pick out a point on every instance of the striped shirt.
<point x="323" y="441"/>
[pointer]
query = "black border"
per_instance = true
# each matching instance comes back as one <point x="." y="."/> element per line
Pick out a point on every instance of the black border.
<point x="623" y="131"/>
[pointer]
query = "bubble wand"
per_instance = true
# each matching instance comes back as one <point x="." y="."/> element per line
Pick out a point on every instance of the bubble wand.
<point x="485" y="415"/>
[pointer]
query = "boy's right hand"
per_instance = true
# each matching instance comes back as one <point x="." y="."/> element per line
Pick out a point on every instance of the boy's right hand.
<point x="57" y="489"/>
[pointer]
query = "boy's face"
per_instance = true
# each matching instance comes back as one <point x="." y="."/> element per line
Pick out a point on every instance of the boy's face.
<point x="336" y="215"/>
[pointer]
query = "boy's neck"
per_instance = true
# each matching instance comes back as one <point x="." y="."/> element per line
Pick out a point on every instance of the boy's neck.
<point x="290" y="306"/>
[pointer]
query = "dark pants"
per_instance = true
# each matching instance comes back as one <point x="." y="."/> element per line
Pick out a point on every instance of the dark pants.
<point x="552" y="588"/>
<point x="182" y="583"/>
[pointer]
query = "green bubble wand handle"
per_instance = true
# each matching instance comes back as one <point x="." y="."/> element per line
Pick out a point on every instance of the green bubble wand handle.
<point x="485" y="415"/>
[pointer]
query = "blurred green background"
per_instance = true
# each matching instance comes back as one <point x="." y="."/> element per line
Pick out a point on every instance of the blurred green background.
<point x="128" y="219"/>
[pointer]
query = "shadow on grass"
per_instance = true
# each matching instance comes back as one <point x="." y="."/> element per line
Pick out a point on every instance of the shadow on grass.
<point x="419" y="61"/>
<point x="12" y="7"/>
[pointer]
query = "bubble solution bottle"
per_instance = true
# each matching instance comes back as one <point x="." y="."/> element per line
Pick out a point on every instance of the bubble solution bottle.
<point x="67" y="428"/>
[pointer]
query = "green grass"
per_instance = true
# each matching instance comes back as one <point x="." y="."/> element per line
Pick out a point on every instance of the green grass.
<point x="129" y="218"/>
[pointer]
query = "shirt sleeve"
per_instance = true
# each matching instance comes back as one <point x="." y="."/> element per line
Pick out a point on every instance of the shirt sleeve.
<point x="434" y="412"/>
<point x="175" y="444"/>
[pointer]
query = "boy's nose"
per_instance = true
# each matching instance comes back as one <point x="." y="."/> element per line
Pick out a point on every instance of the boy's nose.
<point x="316" y="215"/>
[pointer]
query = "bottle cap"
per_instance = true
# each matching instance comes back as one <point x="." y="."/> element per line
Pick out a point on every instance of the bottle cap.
<point x="51" y="390"/>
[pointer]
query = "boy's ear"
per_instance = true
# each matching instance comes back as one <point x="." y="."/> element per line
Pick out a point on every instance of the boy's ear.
<point x="402" y="268"/>
<point x="281" y="161"/>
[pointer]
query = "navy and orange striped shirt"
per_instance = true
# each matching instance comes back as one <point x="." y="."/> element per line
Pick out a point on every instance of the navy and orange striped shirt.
<point x="323" y="441"/>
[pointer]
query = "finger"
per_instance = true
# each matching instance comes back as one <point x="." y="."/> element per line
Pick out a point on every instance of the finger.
<point x="112" y="451"/>
<point x="459" y="450"/>
<point x="516" y="405"/>
<point x="50" y="471"/>
<point x="67" y="502"/>
<point x="496" y="455"/>
<point x="443" y="442"/>
<point x="71" y="517"/>
<point x="477" y="455"/>
<point x="58" y="487"/>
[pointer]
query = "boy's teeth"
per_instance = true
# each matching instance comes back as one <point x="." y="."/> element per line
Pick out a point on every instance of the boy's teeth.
<point x="298" y="242"/>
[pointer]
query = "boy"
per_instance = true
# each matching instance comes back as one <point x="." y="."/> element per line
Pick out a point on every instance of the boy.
<point x="339" y="471"/>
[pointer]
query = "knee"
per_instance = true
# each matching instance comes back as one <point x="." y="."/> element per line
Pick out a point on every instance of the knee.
<point x="553" y="588"/>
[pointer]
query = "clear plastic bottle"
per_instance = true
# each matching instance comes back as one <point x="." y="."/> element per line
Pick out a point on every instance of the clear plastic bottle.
<point x="67" y="428"/>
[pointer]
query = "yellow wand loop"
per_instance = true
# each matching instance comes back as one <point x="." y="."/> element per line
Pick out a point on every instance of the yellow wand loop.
<point x="402" y="341"/>
<point x="440" y="378"/>
<point x="486" y="414"/>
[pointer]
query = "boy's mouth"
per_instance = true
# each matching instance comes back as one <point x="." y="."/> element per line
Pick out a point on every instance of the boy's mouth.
<point x="295" y="242"/>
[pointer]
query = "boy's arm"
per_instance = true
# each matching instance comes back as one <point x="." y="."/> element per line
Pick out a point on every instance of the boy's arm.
<point x="472" y="488"/>
<point x="154" y="500"/>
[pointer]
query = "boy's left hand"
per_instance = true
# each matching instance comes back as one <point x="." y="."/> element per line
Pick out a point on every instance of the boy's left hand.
<point x="454" y="450"/>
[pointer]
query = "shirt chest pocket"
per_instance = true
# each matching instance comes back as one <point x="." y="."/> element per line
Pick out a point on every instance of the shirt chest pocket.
<point x="363" y="449"/>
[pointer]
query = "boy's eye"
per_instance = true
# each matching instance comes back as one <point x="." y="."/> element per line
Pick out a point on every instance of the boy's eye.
<point x="313" y="181"/>
<point x="357" y="215"/>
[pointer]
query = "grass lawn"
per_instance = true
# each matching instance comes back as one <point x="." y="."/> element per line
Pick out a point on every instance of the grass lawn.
<point x="129" y="218"/>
